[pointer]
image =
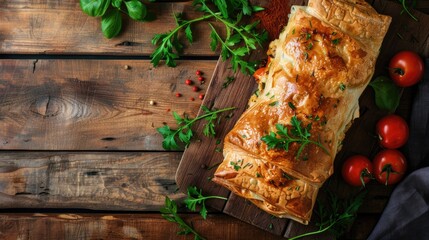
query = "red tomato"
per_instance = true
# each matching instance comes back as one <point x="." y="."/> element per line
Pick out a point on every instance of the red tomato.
<point x="390" y="166"/>
<point x="259" y="73"/>
<point x="406" y="68"/>
<point x="357" y="170"/>
<point x="392" y="131"/>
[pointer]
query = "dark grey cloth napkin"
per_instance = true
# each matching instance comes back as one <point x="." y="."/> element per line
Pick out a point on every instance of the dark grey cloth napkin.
<point x="406" y="215"/>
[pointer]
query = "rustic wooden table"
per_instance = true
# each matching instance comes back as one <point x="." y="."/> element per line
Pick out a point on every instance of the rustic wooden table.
<point x="80" y="156"/>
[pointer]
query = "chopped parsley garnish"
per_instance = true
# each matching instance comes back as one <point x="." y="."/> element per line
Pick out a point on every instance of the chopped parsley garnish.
<point x="336" y="41"/>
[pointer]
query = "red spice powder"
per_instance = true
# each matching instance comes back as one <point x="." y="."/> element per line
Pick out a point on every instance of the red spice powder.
<point x="274" y="17"/>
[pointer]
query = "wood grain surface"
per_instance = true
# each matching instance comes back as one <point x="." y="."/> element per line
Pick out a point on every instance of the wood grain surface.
<point x="121" y="227"/>
<point x="137" y="181"/>
<point x="404" y="34"/>
<point x="26" y="27"/>
<point x="92" y="104"/>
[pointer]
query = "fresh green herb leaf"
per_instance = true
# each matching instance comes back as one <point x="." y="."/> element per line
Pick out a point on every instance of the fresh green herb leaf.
<point x="195" y="198"/>
<point x="111" y="13"/>
<point x="299" y="134"/>
<point x="111" y="23"/>
<point x="258" y="175"/>
<point x="240" y="39"/>
<point x="275" y="103"/>
<point x="287" y="176"/>
<point x="136" y="9"/>
<point x="236" y="165"/>
<point x="228" y="81"/>
<point x="184" y="132"/>
<point x="337" y="216"/>
<point x="94" y="8"/>
<point x="387" y="94"/>
<point x="247" y="165"/>
<point x="169" y="213"/>
<point x="336" y="41"/>
<point x="117" y="3"/>
<point x="290" y="104"/>
<point x="342" y="86"/>
<point x="188" y="33"/>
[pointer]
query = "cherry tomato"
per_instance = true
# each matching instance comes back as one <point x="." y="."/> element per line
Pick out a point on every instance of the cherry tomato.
<point x="357" y="170"/>
<point x="259" y="73"/>
<point x="406" y="68"/>
<point x="392" y="131"/>
<point x="390" y="166"/>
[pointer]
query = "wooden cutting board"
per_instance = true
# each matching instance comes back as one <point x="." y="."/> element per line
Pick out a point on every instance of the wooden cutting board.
<point x="199" y="161"/>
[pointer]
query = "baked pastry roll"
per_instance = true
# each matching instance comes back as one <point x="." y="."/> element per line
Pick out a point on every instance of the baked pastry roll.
<point x="320" y="65"/>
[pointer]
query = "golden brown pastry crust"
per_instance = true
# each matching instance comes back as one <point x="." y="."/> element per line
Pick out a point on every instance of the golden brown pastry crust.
<point x="321" y="63"/>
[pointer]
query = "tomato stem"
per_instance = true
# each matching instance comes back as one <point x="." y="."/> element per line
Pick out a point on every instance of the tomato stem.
<point x="365" y="173"/>
<point x="388" y="169"/>
<point x="399" y="71"/>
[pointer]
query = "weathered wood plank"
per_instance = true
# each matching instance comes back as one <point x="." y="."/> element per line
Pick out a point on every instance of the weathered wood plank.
<point x="101" y="181"/>
<point x="60" y="27"/>
<point x="92" y="104"/>
<point x="121" y="226"/>
<point x="248" y="212"/>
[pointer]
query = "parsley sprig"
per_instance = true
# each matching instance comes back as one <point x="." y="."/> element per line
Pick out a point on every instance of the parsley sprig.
<point x="184" y="132"/>
<point x="299" y="134"/>
<point x="239" y="41"/>
<point x="169" y="212"/>
<point x="336" y="216"/>
<point x="195" y="198"/>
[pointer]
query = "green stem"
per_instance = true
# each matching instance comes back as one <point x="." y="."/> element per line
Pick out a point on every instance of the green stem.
<point x="318" y="231"/>
<point x="220" y="39"/>
<point x="202" y="117"/>
<point x="183" y="223"/>
<point x="229" y="26"/>
<point x="213" y="197"/>
<point x="404" y="5"/>
<point x="183" y="25"/>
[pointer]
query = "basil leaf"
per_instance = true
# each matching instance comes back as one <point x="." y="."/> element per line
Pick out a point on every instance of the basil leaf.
<point x="136" y="9"/>
<point x="387" y="94"/>
<point x="117" y="3"/>
<point x="111" y="23"/>
<point x="94" y="8"/>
